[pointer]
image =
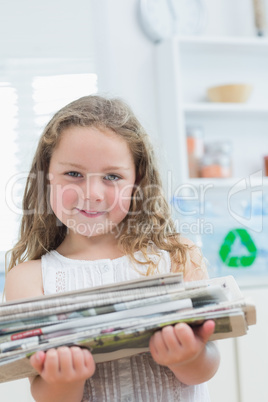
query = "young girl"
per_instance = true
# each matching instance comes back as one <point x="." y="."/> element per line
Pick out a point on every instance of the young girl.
<point x="94" y="213"/>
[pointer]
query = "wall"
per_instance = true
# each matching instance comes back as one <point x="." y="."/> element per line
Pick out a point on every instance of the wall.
<point x="35" y="28"/>
<point x="125" y="58"/>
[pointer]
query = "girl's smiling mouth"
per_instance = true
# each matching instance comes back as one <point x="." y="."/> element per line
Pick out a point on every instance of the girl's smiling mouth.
<point x="90" y="214"/>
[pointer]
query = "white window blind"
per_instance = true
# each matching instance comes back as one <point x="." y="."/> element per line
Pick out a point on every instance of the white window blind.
<point x="31" y="91"/>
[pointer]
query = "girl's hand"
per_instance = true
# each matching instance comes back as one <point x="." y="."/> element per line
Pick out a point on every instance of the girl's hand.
<point x="64" y="365"/>
<point x="180" y="345"/>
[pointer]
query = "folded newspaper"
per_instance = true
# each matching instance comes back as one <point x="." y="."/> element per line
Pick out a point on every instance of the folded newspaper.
<point x="115" y="321"/>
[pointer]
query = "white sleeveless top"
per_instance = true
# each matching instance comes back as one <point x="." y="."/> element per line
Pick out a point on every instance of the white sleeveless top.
<point x="134" y="379"/>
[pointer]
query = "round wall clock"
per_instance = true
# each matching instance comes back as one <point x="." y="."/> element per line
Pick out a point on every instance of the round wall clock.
<point x="160" y="19"/>
<point x="190" y="16"/>
<point x="156" y="19"/>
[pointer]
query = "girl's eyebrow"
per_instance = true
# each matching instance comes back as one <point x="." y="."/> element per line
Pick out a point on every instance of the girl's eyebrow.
<point x="106" y="168"/>
<point x="71" y="164"/>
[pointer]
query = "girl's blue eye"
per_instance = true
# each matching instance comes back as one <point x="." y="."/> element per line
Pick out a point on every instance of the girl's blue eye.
<point x="111" y="177"/>
<point x="74" y="174"/>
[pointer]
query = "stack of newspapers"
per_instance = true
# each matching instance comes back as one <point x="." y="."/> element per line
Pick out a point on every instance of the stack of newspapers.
<point x="115" y="321"/>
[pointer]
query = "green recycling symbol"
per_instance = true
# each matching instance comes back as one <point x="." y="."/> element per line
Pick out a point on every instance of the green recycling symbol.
<point x="226" y="249"/>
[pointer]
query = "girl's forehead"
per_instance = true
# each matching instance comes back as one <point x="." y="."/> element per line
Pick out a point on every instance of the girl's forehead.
<point x="73" y="133"/>
<point x="92" y="142"/>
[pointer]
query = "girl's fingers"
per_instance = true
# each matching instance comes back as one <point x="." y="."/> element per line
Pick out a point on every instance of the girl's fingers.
<point x="37" y="361"/>
<point x="178" y="344"/>
<point x="83" y="362"/>
<point x="65" y="364"/>
<point x="159" y="343"/>
<point x="51" y="365"/>
<point x="89" y="362"/>
<point x="206" y="330"/>
<point x="184" y="334"/>
<point x="156" y="347"/>
<point x="171" y="338"/>
<point x="65" y="361"/>
<point x="77" y="358"/>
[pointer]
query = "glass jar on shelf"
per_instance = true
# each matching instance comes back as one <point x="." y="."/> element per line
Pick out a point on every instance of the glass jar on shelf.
<point x="217" y="160"/>
<point x="217" y="166"/>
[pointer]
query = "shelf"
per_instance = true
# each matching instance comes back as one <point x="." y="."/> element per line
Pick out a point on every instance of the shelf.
<point x="207" y="107"/>
<point x="223" y="41"/>
<point x="186" y="67"/>
<point x="228" y="183"/>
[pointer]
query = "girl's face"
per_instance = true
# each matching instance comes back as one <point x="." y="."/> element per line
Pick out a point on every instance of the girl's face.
<point x="92" y="174"/>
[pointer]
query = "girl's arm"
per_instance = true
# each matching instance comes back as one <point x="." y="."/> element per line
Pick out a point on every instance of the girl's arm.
<point x="62" y="371"/>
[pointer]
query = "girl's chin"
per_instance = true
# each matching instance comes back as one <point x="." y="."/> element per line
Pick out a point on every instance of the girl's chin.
<point x="97" y="230"/>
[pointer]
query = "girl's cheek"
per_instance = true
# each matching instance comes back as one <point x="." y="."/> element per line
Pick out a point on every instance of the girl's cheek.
<point x="64" y="198"/>
<point x="123" y="201"/>
<point x="69" y="197"/>
<point x="124" y="205"/>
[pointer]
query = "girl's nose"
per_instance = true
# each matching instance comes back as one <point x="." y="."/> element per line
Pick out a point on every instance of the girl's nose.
<point x="93" y="190"/>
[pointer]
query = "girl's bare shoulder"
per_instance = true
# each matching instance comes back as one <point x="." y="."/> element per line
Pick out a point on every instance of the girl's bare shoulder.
<point x="24" y="280"/>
